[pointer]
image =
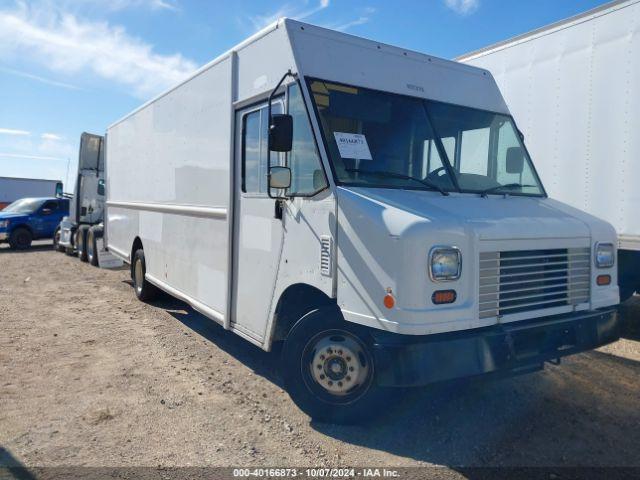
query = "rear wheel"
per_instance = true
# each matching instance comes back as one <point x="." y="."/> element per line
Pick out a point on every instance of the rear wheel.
<point x="81" y="242"/>
<point x="145" y="291"/>
<point x="92" y="245"/>
<point x="328" y="368"/>
<point x="20" y="239"/>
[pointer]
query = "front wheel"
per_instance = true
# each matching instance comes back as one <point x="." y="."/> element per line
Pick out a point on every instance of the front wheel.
<point x="20" y="239"/>
<point x="328" y="368"/>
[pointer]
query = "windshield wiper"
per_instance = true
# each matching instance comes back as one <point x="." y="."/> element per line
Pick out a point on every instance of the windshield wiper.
<point x="382" y="173"/>
<point x="484" y="193"/>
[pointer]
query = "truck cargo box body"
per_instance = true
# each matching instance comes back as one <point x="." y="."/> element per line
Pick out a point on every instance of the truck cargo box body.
<point x="573" y="89"/>
<point x="12" y="189"/>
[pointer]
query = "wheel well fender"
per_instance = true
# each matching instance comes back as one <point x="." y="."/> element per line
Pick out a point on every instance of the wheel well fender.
<point x="137" y="245"/>
<point x="22" y="225"/>
<point x="296" y="301"/>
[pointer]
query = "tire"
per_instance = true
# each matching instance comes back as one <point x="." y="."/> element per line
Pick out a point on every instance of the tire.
<point x="145" y="291"/>
<point x="92" y="245"/>
<point x="81" y="242"/>
<point x="20" y="239"/>
<point x="337" y="386"/>
<point x="56" y="241"/>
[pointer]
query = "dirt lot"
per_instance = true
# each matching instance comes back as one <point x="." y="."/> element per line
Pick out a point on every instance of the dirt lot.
<point x="90" y="376"/>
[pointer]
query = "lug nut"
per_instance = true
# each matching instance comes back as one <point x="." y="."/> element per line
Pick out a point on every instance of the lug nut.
<point x="351" y="369"/>
<point x="319" y="367"/>
<point x="348" y="378"/>
<point x="348" y="359"/>
<point x="330" y="383"/>
<point x="339" y="384"/>
<point x="322" y="357"/>
<point x="322" y="377"/>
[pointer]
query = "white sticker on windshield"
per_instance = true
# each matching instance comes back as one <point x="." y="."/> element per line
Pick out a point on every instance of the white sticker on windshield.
<point x="353" y="145"/>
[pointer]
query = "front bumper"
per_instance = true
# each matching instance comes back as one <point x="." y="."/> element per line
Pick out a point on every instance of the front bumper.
<point x="500" y="350"/>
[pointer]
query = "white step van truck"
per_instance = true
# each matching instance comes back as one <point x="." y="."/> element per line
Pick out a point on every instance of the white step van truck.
<point x="573" y="87"/>
<point x="372" y="208"/>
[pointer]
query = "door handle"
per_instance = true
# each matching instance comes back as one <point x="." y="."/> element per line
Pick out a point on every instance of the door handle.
<point x="279" y="208"/>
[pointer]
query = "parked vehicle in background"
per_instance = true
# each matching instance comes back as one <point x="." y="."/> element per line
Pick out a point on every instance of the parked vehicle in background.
<point x="573" y="86"/>
<point x="372" y="208"/>
<point x="79" y="232"/>
<point x="31" y="219"/>
<point x="12" y="189"/>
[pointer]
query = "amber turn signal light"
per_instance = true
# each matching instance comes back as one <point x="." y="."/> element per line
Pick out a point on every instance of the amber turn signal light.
<point x="603" y="280"/>
<point x="389" y="301"/>
<point x="443" y="296"/>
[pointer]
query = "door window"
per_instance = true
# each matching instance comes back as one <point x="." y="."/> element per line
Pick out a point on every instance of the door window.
<point x="50" y="205"/>
<point x="254" y="150"/>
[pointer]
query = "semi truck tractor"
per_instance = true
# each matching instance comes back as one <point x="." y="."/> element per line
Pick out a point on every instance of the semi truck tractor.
<point x="78" y="233"/>
<point x="573" y="86"/>
<point x="12" y="189"/>
<point x="372" y="209"/>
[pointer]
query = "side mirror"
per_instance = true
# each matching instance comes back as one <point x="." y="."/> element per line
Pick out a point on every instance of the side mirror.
<point x="101" y="188"/>
<point x="279" y="177"/>
<point x="515" y="160"/>
<point x="281" y="133"/>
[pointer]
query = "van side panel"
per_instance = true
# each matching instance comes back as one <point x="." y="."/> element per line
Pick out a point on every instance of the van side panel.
<point x="168" y="184"/>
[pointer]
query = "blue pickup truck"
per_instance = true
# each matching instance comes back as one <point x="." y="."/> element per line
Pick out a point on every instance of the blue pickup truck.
<point x="30" y="219"/>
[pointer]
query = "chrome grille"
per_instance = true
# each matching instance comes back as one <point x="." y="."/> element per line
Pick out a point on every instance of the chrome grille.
<point x="524" y="280"/>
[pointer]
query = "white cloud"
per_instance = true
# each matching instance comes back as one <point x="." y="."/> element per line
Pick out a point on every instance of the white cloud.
<point x="287" y="10"/>
<point x="50" y="136"/>
<point x="29" y="157"/>
<point x="365" y="17"/>
<point x="62" y="42"/>
<point x="11" y="131"/>
<point x="115" y="5"/>
<point x="463" y="7"/>
<point x="39" y="78"/>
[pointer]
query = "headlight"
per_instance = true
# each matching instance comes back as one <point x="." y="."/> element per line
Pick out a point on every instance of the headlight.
<point x="4" y="223"/>
<point x="445" y="263"/>
<point x="605" y="255"/>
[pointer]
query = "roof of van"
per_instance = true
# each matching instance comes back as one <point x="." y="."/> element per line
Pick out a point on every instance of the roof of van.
<point x="599" y="11"/>
<point x="291" y="24"/>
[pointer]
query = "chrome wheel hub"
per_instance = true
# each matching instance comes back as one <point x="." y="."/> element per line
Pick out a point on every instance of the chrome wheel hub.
<point x="138" y="275"/>
<point x="337" y="364"/>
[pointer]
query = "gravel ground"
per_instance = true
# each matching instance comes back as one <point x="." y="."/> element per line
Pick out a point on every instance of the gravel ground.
<point x="89" y="376"/>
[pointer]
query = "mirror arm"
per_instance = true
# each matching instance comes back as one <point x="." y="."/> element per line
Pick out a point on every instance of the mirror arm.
<point x="271" y="95"/>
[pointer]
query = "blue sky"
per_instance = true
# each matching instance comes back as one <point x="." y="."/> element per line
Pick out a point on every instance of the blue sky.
<point x="68" y="66"/>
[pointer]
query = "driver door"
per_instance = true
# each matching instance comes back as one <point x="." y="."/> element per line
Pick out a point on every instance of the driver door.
<point x="258" y="235"/>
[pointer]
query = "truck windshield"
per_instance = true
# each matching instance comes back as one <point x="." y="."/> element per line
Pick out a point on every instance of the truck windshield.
<point x="24" y="205"/>
<point x="452" y="147"/>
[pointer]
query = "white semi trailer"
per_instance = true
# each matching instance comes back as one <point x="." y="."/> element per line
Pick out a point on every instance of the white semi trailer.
<point x="13" y="188"/>
<point x="373" y="208"/>
<point x="573" y="86"/>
